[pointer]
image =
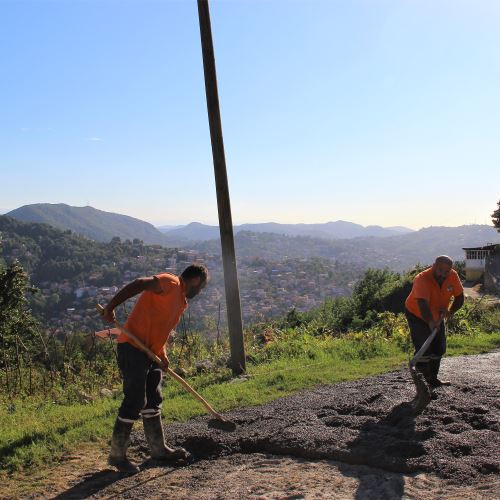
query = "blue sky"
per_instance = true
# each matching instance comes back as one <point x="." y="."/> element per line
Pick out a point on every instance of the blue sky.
<point x="377" y="112"/>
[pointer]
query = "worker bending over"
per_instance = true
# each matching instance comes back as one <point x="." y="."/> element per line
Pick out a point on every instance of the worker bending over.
<point x="162" y="300"/>
<point x="426" y="308"/>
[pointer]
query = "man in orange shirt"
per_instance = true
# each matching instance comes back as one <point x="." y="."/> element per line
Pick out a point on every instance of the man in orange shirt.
<point x="426" y="308"/>
<point x="162" y="301"/>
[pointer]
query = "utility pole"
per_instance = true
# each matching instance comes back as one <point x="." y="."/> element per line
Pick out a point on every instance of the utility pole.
<point x="223" y="203"/>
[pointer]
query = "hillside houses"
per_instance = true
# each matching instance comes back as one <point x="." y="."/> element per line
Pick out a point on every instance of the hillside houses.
<point x="268" y="289"/>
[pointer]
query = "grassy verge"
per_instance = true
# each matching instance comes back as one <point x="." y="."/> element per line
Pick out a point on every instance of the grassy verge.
<point x="480" y="343"/>
<point x="38" y="432"/>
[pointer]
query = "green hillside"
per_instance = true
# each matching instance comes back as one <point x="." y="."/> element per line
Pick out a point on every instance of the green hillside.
<point x="59" y="262"/>
<point x="395" y="252"/>
<point x="74" y="272"/>
<point x="90" y="222"/>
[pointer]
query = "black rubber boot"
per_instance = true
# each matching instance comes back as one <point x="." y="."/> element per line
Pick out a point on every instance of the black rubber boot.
<point x="119" y="444"/>
<point x="434" y="382"/>
<point x="156" y="441"/>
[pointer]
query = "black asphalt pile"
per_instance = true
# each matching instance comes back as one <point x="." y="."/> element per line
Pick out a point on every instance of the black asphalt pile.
<point x="370" y="422"/>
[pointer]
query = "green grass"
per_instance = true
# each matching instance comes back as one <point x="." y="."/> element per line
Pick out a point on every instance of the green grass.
<point x="38" y="432"/>
<point x="458" y="345"/>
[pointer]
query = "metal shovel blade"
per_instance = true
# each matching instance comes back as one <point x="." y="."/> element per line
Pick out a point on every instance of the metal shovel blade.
<point x="423" y="396"/>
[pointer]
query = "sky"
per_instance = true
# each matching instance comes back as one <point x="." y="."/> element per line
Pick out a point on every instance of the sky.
<point x="373" y="111"/>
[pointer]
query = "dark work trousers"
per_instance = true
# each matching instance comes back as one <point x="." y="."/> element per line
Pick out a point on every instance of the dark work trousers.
<point x="419" y="331"/>
<point x="141" y="384"/>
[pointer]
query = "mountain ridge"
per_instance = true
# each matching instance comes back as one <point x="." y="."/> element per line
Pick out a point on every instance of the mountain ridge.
<point x="398" y="253"/>
<point x="102" y="226"/>
<point x="376" y="247"/>
<point x="196" y="231"/>
<point x="90" y="222"/>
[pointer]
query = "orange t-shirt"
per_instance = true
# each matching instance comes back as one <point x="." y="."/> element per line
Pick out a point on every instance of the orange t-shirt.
<point x="155" y="315"/>
<point x="438" y="297"/>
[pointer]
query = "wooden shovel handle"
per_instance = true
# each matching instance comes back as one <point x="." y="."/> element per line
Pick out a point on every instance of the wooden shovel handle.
<point x="170" y="372"/>
<point x="152" y="356"/>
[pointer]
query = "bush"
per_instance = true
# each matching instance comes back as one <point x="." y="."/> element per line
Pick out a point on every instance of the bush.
<point x="381" y="290"/>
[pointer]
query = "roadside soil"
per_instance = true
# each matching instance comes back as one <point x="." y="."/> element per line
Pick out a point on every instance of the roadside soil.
<point x="476" y="291"/>
<point x="350" y="440"/>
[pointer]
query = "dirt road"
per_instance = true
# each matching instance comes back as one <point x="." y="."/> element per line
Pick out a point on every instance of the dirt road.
<point x="350" y="440"/>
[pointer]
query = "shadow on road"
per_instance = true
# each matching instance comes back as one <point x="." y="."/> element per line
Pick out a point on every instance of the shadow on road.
<point x="386" y="444"/>
<point x="99" y="481"/>
<point x="91" y="484"/>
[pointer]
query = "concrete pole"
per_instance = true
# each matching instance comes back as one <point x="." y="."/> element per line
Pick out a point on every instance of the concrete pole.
<point x="223" y="203"/>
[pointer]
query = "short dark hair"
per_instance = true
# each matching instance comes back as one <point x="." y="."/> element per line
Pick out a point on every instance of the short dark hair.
<point x="444" y="259"/>
<point x="195" y="271"/>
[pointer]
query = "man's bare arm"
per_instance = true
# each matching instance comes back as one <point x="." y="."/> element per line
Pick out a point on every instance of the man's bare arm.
<point x="458" y="302"/>
<point x="139" y="285"/>
<point x="425" y="311"/>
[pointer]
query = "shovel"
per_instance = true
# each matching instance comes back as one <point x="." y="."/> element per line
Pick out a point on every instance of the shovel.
<point x="226" y="424"/>
<point x="424" y="393"/>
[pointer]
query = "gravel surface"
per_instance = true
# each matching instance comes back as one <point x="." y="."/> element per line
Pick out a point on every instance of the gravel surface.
<point x="350" y="440"/>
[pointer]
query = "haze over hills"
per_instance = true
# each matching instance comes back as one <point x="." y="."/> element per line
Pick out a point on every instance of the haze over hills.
<point x="90" y="222"/>
<point x="397" y="248"/>
<point x="395" y="252"/>
<point x="168" y="227"/>
<point x="102" y="226"/>
<point x="196" y="231"/>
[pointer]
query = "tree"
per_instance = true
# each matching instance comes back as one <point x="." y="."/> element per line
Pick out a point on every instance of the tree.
<point x="370" y="290"/>
<point x="495" y="217"/>
<point x="16" y="321"/>
<point x="381" y="290"/>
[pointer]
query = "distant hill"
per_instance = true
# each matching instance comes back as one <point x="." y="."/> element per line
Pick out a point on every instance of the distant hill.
<point x="71" y="270"/>
<point x="395" y="252"/>
<point x="397" y="248"/>
<point x="168" y="227"/>
<point x="429" y="242"/>
<point x="400" y="229"/>
<point x="90" y="222"/>
<point x="196" y="231"/>
<point x="52" y="254"/>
